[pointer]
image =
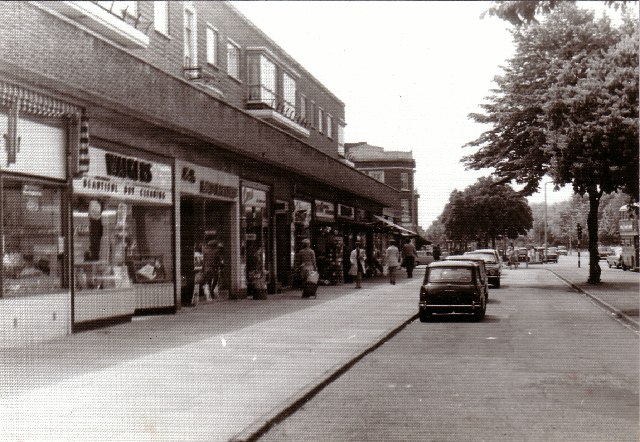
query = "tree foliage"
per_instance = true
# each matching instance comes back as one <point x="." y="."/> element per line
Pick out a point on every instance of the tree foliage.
<point x="484" y="211"/>
<point x="567" y="107"/>
<point x="524" y="12"/>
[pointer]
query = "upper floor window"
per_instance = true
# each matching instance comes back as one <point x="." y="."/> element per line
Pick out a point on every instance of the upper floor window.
<point x="340" y="139"/>
<point x="233" y="59"/>
<point x="377" y="175"/>
<point x="312" y="114"/>
<point x="120" y="8"/>
<point x="404" y="178"/>
<point x="262" y="80"/>
<point x="404" y="203"/>
<point x="329" y="126"/>
<point x="320" y="120"/>
<point x="289" y="92"/>
<point x="161" y="16"/>
<point x="190" y="37"/>
<point x="212" y="44"/>
<point x="303" y="106"/>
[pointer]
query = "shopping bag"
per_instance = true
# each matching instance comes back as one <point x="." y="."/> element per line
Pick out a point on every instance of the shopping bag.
<point x="313" y="277"/>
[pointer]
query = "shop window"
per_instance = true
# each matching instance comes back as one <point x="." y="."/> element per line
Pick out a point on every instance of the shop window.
<point x="33" y="241"/>
<point x="255" y="232"/>
<point x="117" y="243"/>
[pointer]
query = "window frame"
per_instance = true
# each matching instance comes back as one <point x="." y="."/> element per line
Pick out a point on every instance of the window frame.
<point x="165" y="20"/>
<point x="232" y="44"/>
<point x="321" y="117"/>
<point x="329" y="126"/>
<point x="193" y="46"/>
<point x="404" y="181"/>
<point x="377" y="175"/>
<point x="212" y="47"/>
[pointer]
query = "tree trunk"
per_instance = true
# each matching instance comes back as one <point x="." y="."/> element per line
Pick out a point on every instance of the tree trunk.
<point x="592" y="227"/>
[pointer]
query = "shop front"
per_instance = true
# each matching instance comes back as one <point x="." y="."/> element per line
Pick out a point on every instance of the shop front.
<point x="35" y="299"/>
<point x="208" y="217"/>
<point x="123" y="258"/>
<point x="255" y="244"/>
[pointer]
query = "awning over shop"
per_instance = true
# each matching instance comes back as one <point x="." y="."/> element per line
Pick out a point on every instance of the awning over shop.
<point x="393" y="226"/>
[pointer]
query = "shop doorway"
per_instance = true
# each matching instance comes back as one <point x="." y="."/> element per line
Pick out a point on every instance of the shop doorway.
<point x="283" y="251"/>
<point x="201" y="219"/>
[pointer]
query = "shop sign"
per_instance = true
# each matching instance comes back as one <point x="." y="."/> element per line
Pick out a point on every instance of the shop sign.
<point x="202" y="181"/>
<point x="325" y="211"/>
<point x="302" y="213"/>
<point x="32" y="147"/>
<point x="346" y="212"/>
<point x="118" y="176"/>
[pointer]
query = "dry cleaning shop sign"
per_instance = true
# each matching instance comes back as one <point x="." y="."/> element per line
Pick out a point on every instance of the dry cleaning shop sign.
<point x="124" y="177"/>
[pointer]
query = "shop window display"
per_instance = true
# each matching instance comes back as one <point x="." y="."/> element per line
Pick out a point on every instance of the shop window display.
<point x="117" y="244"/>
<point x="255" y="237"/>
<point x="33" y="241"/>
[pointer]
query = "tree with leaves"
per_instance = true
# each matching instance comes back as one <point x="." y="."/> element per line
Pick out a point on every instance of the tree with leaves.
<point x="485" y="211"/>
<point x="567" y="107"/>
<point x="524" y="12"/>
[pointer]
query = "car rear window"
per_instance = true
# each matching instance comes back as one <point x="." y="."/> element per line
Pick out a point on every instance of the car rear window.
<point x="450" y="274"/>
<point x="486" y="257"/>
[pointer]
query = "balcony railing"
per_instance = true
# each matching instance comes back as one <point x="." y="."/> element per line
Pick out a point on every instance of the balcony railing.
<point x="260" y="97"/>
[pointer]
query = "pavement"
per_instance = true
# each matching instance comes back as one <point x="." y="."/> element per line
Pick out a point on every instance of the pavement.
<point x="220" y="371"/>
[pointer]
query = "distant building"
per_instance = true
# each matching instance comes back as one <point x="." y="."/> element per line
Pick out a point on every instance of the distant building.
<point x="394" y="168"/>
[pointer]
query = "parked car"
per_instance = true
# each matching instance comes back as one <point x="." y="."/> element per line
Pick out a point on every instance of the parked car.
<point x="492" y="264"/>
<point x="478" y="260"/>
<point x="562" y="250"/>
<point x="452" y="287"/>
<point x="615" y="259"/>
<point x="552" y="255"/>
<point x="604" y="251"/>
<point x="425" y="257"/>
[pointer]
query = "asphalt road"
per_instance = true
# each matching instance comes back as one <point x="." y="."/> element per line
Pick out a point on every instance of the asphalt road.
<point x="545" y="364"/>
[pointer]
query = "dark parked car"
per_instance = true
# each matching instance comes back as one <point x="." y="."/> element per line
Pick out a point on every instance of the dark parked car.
<point x="492" y="264"/>
<point x="452" y="287"/>
<point x="477" y="260"/>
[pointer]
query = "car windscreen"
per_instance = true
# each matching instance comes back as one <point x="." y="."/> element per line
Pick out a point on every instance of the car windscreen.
<point x="450" y="274"/>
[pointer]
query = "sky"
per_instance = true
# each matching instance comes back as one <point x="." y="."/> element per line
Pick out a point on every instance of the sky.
<point x="409" y="74"/>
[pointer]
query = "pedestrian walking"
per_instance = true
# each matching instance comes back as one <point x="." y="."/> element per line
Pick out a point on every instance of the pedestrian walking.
<point x="357" y="259"/>
<point x="436" y="252"/>
<point x="304" y="264"/>
<point x="392" y="260"/>
<point x="409" y="256"/>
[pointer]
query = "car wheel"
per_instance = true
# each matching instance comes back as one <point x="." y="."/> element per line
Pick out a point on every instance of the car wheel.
<point x="610" y="265"/>
<point x="479" y="314"/>
<point x="425" y="315"/>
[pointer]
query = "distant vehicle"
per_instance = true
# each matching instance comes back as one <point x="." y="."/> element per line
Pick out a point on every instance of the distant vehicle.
<point x="425" y="257"/>
<point x="452" y="287"/>
<point x="478" y="260"/>
<point x="628" y="229"/>
<point x="614" y="260"/>
<point x="604" y="251"/>
<point x="523" y="254"/>
<point x="562" y="250"/>
<point x="551" y="255"/>
<point x="492" y="264"/>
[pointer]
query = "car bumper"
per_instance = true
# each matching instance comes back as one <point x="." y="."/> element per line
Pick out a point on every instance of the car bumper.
<point x="473" y="306"/>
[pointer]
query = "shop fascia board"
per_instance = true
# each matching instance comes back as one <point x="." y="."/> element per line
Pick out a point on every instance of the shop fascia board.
<point x="142" y="91"/>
